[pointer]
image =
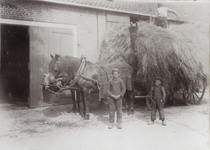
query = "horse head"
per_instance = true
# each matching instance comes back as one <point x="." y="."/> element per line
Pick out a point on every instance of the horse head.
<point x="133" y="33"/>
<point x="54" y="70"/>
<point x="62" y="68"/>
<point x="134" y="27"/>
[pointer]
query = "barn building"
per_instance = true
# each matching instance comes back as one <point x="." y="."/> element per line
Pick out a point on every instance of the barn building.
<point x="32" y="30"/>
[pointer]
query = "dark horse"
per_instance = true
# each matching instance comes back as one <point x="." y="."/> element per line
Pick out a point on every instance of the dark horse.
<point x="86" y="84"/>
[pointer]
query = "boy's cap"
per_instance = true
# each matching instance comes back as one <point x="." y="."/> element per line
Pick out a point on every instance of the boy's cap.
<point x="157" y="78"/>
<point x="115" y="70"/>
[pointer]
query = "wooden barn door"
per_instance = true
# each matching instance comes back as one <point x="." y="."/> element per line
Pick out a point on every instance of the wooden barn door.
<point x="43" y="42"/>
<point x="61" y="41"/>
<point x="115" y="18"/>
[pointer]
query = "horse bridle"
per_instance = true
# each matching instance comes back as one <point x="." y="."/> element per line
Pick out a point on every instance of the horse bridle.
<point x="57" y="64"/>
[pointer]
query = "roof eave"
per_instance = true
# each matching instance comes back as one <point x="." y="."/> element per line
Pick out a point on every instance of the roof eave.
<point x="92" y="7"/>
<point x="98" y="8"/>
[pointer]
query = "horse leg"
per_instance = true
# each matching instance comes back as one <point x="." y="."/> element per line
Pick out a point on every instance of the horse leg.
<point x="83" y="102"/>
<point x="101" y="103"/>
<point x="74" y="101"/>
<point x="131" y="99"/>
<point x="129" y="105"/>
<point x="86" y="103"/>
<point x="126" y="105"/>
<point x="78" y="100"/>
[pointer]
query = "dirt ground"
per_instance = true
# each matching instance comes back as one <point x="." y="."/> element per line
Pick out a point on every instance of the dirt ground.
<point x="55" y="127"/>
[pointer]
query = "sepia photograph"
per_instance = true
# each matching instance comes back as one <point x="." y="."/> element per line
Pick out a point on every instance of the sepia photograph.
<point x="104" y="74"/>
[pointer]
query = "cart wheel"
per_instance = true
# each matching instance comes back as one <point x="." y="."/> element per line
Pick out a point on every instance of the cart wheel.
<point x="194" y="97"/>
<point x="148" y="103"/>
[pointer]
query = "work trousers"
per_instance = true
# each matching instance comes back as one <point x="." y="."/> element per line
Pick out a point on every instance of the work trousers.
<point x="115" y="105"/>
<point x="157" y="104"/>
<point x="161" y="21"/>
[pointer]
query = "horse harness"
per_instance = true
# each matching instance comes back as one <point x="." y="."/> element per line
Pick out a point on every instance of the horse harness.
<point x="79" y="74"/>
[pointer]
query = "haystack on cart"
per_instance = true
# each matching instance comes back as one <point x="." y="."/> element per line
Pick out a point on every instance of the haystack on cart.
<point x="169" y="54"/>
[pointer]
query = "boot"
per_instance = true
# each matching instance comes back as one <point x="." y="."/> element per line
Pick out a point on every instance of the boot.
<point x="119" y="126"/>
<point x="163" y="123"/>
<point x="150" y="122"/>
<point x="111" y="125"/>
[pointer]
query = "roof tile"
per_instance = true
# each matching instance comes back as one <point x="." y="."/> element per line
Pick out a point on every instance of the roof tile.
<point x="186" y="10"/>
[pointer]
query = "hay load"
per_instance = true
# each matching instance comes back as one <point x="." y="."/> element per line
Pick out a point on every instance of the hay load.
<point x="197" y="37"/>
<point x="170" y="54"/>
<point x="116" y="44"/>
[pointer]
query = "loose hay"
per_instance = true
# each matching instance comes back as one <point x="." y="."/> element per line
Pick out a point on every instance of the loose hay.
<point x="179" y="55"/>
<point x="197" y="37"/>
<point x="116" y="44"/>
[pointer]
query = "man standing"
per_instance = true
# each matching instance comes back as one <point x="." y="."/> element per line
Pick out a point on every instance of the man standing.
<point x="162" y="11"/>
<point x="157" y="96"/>
<point x="116" y="91"/>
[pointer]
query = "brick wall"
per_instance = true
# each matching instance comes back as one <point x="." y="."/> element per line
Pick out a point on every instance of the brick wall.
<point x="90" y="23"/>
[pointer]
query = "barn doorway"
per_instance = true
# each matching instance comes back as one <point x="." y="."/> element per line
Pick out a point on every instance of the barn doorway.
<point x="14" y="63"/>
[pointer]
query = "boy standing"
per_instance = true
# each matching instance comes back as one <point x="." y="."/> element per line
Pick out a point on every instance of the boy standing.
<point x="116" y="90"/>
<point x="157" y="96"/>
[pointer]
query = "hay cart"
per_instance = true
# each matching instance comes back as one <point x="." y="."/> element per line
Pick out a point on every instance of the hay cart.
<point x="170" y="53"/>
<point x="190" y="97"/>
<point x="194" y="95"/>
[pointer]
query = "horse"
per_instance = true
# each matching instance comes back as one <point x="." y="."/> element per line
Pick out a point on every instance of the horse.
<point x="62" y="79"/>
<point x="85" y="76"/>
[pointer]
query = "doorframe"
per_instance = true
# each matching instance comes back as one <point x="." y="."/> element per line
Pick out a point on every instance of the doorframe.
<point x="40" y="24"/>
<point x="43" y="24"/>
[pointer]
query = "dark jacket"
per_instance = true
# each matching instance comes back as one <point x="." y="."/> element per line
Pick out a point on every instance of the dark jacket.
<point x="116" y="87"/>
<point x="157" y="92"/>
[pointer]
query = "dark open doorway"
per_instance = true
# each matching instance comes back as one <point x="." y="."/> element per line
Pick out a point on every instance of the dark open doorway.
<point x="134" y="18"/>
<point x="14" y="63"/>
